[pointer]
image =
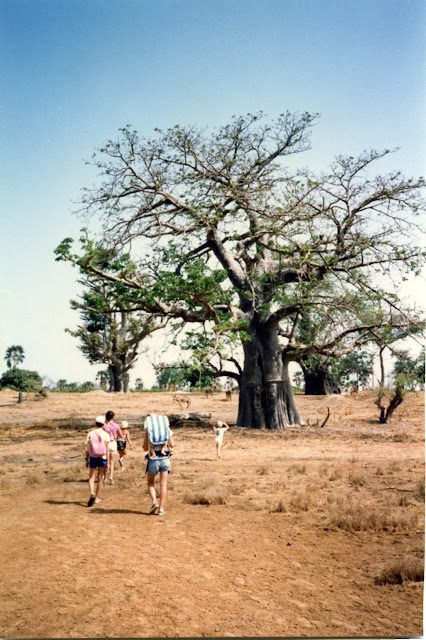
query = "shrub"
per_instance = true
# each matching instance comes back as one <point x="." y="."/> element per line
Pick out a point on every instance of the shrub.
<point x="21" y="380"/>
<point x="408" y="569"/>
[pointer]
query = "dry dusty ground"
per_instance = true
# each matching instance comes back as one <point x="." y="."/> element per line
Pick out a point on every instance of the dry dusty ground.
<point x="286" y="536"/>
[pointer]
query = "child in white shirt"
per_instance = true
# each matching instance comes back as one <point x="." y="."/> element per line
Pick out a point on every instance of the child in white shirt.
<point x="219" y="429"/>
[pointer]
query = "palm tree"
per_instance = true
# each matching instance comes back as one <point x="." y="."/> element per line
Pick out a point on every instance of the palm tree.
<point x="14" y="356"/>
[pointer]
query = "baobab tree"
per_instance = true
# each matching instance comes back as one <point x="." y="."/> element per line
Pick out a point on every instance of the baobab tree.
<point x="223" y="233"/>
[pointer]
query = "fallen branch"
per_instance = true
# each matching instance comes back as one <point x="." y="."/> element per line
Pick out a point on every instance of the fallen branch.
<point x="317" y="422"/>
<point x="388" y="486"/>
<point x="327" y="417"/>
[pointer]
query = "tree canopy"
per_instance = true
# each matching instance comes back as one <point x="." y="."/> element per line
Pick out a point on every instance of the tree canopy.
<point x="21" y="380"/>
<point x="225" y="234"/>
<point x="14" y="355"/>
<point x="111" y="332"/>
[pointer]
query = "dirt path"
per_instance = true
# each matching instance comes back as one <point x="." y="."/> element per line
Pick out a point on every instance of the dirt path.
<point x="252" y="546"/>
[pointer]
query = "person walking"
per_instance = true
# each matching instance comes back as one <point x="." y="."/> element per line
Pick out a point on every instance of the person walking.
<point x="219" y="429"/>
<point x="113" y="431"/>
<point x="122" y="443"/>
<point x="97" y="458"/>
<point x="155" y="426"/>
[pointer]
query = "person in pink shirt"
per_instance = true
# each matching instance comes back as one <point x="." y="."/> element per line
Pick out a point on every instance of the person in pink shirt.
<point x="114" y="431"/>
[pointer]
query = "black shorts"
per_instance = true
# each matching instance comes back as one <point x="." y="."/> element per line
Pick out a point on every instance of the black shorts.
<point x="121" y="445"/>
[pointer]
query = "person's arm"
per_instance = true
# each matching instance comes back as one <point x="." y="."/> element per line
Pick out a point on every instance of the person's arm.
<point x="130" y="442"/>
<point x="145" y="442"/>
<point x="119" y="434"/>
<point x="87" y="451"/>
<point x="107" y="449"/>
<point x="171" y="442"/>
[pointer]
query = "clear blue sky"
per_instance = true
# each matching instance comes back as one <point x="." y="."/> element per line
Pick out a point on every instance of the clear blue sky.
<point x="74" y="71"/>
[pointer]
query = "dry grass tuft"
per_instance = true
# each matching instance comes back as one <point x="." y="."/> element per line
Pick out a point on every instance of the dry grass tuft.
<point x="279" y="507"/>
<point x="5" y="484"/>
<point x="408" y="569"/>
<point x="403" y="501"/>
<point x="263" y="470"/>
<point x="357" y="479"/>
<point x="353" y="516"/>
<point x="331" y="473"/>
<point x="33" y="478"/>
<point x="419" y="493"/>
<point x="208" y="497"/>
<point x="299" y="501"/>
<point x="298" y="469"/>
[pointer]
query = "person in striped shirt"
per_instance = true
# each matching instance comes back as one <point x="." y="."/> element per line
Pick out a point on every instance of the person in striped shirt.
<point x="155" y="426"/>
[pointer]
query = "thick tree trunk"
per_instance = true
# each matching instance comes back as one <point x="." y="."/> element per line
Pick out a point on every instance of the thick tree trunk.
<point x="126" y="379"/>
<point x="386" y="413"/>
<point x="266" y="395"/>
<point x="118" y="378"/>
<point x="319" y="381"/>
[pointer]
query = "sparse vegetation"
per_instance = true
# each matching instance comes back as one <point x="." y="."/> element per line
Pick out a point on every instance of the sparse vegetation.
<point x="207" y="497"/>
<point x="301" y="507"/>
<point x="419" y="493"/>
<point x="279" y="507"/>
<point x="357" y="516"/>
<point x="408" y="569"/>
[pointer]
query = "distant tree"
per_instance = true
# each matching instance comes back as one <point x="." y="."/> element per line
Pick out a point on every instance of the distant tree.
<point x="74" y="387"/>
<point x="139" y="384"/>
<point x="103" y="377"/>
<point x="354" y="369"/>
<point x="318" y="375"/>
<point x="112" y="331"/>
<point x="21" y="380"/>
<point x="48" y="382"/>
<point x="171" y="376"/>
<point x="14" y="355"/>
<point x="412" y="370"/>
<point x="405" y="376"/>
<point x="87" y="386"/>
<point x="298" y="380"/>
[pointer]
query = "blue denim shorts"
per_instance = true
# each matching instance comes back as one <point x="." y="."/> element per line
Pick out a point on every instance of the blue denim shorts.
<point x="158" y="464"/>
<point x="94" y="463"/>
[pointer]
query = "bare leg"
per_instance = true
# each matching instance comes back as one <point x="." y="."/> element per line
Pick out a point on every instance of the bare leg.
<point x="101" y="476"/>
<point x="151" y="488"/>
<point x="92" y="476"/>
<point x="121" y="453"/>
<point x="111" y="468"/>
<point x="163" y="488"/>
